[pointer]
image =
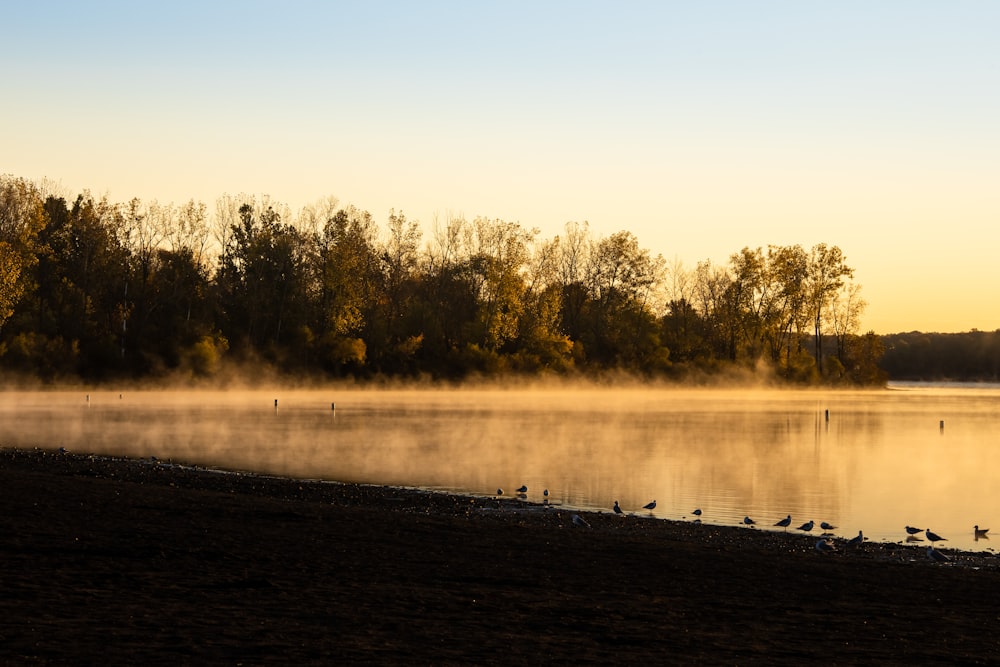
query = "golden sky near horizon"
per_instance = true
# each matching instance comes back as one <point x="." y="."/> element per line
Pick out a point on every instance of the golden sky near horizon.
<point x="701" y="128"/>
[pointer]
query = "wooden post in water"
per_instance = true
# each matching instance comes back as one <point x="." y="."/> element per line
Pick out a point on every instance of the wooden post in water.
<point x="275" y="405"/>
<point x="828" y="414"/>
<point x="333" y="407"/>
<point x="941" y="425"/>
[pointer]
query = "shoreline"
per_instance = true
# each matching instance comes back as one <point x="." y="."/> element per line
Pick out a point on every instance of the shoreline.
<point x="124" y="560"/>
<point x="135" y="469"/>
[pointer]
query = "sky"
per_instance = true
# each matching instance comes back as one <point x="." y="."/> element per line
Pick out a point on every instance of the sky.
<point x="700" y="127"/>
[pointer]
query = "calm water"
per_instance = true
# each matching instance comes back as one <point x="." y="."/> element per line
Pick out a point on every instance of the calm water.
<point x="865" y="460"/>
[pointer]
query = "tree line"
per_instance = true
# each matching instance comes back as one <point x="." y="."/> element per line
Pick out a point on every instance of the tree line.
<point x="972" y="356"/>
<point x="96" y="289"/>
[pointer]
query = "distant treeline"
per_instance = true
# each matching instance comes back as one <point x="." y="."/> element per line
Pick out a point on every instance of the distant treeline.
<point x="96" y="290"/>
<point x="973" y="356"/>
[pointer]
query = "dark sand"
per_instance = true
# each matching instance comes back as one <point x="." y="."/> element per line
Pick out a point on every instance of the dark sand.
<point x="130" y="562"/>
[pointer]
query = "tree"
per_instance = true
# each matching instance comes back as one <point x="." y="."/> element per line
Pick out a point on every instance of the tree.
<point x="81" y="297"/>
<point x="543" y="345"/>
<point x="827" y="269"/>
<point x="499" y="251"/>
<point x="261" y="278"/>
<point x="710" y="290"/>
<point x="754" y="299"/>
<point x="396" y="345"/>
<point x="789" y="267"/>
<point x="622" y="280"/>
<point x="22" y="216"/>
<point x="349" y="287"/>
<point x="846" y="307"/>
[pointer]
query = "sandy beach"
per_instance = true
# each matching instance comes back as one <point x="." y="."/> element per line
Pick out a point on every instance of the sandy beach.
<point x="120" y="561"/>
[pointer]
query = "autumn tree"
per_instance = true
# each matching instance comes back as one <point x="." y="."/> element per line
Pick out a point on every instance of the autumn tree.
<point x="22" y="217"/>
<point x="350" y="287"/>
<point x="789" y="267"/>
<point x="542" y="343"/>
<point x="826" y="270"/>
<point x="622" y="279"/>
<point x="261" y="278"/>
<point x="80" y="307"/>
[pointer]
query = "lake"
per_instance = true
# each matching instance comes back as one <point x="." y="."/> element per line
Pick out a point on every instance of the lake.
<point x="873" y="460"/>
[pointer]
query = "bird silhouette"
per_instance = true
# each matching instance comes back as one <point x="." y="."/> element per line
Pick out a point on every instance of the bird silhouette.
<point x="980" y="533"/>
<point x="825" y="545"/>
<point x="936" y="555"/>
<point x="933" y="537"/>
<point x="697" y="512"/>
<point x="786" y="522"/>
<point x="618" y="509"/>
<point x="913" y="531"/>
<point x="856" y="542"/>
<point x="827" y="526"/>
<point x="807" y="526"/>
<point x="499" y="492"/>
<point x="579" y="521"/>
<point x="649" y="506"/>
<point x="748" y="521"/>
<point x="523" y="489"/>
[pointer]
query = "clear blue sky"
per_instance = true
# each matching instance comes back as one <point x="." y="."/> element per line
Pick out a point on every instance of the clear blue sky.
<point x="700" y="127"/>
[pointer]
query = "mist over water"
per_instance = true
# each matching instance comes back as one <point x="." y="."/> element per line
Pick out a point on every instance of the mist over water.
<point x="878" y="462"/>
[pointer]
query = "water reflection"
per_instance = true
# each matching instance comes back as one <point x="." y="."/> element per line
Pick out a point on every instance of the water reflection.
<point x="869" y="460"/>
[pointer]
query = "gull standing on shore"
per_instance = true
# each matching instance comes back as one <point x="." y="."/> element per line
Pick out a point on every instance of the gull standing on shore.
<point x="933" y="537"/>
<point x="649" y="506"/>
<point x="807" y="526"/>
<point x="856" y="542"/>
<point x="825" y="545"/>
<point x="618" y="509"/>
<point x="748" y="521"/>
<point x="786" y="522"/>
<point x="910" y="530"/>
<point x="936" y="555"/>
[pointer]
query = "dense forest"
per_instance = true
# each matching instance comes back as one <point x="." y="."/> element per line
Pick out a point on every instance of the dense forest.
<point x="95" y="290"/>
<point x="973" y="356"/>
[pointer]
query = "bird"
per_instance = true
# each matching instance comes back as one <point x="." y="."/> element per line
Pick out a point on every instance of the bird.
<point x="980" y="532"/>
<point x="936" y="555"/>
<point x="523" y="489"/>
<point x="697" y="512"/>
<point x="934" y="537"/>
<point x="499" y="492"/>
<point x="579" y="521"/>
<point x="856" y="542"/>
<point x="649" y="506"/>
<point x="913" y="531"/>
<point x="825" y="545"/>
<point x="807" y="526"/>
<point x="826" y="526"/>
<point x="786" y="522"/>
<point x="545" y="493"/>
<point x="618" y="509"/>
<point x="748" y="521"/>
